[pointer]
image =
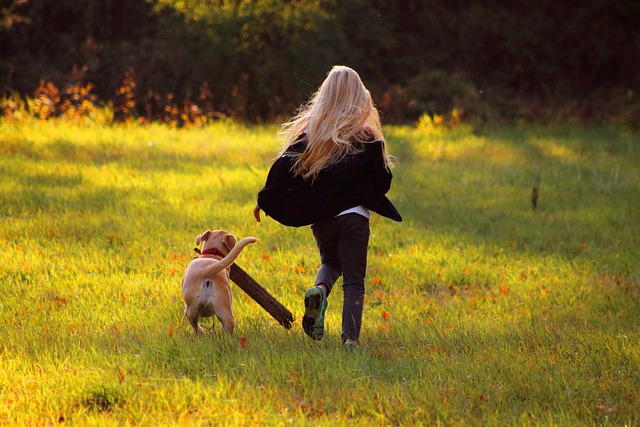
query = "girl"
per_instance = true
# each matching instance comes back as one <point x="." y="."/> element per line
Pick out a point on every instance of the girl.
<point x="332" y="170"/>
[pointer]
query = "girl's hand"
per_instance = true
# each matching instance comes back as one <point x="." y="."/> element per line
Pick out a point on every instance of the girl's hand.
<point x="256" y="213"/>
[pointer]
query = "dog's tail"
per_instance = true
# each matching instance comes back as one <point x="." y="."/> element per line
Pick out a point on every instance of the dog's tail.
<point x="225" y="262"/>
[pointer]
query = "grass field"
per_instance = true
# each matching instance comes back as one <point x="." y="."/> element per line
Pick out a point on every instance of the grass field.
<point x="479" y="310"/>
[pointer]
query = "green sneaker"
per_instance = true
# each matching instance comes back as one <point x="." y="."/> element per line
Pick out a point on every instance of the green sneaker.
<point x="315" y="304"/>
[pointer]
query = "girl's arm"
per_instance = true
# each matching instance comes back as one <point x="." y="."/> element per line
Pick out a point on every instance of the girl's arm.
<point x="379" y="173"/>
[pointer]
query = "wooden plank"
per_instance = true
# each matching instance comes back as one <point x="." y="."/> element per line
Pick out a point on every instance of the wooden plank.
<point x="261" y="296"/>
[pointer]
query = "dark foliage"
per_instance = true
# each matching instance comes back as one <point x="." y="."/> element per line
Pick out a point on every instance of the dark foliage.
<point x="494" y="59"/>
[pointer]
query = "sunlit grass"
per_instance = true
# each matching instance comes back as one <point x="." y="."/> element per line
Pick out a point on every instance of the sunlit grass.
<point x="478" y="309"/>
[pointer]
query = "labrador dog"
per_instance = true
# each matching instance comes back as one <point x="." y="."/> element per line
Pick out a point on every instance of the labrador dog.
<point x="205" y="283"/>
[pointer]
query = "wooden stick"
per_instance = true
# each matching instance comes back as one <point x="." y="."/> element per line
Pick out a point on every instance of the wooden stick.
<point x="261" y="296"/>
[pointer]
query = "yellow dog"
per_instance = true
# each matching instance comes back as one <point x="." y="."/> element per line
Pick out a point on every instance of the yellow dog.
<point x="205" y="284"/>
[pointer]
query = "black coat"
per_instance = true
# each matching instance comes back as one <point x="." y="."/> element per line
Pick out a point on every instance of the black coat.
<point x="358" y="179"/>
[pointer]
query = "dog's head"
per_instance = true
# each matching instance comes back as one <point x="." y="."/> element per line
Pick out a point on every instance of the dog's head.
<point x="221" y="240"/>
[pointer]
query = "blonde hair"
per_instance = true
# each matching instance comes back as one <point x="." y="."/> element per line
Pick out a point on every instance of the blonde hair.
<point x="340" y="113"/>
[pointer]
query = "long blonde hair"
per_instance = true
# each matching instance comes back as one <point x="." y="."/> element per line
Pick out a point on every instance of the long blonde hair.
<point x="340" y="113"/>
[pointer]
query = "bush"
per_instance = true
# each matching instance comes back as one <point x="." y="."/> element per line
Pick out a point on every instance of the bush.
<point x="184" y="61"/>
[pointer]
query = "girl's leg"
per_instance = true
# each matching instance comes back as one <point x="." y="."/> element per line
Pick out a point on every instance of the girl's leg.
<point x="342" y="242"/>
<point x="315" y="299"/>
<point x="354" y="242"/>
<point x="327" y="239"/>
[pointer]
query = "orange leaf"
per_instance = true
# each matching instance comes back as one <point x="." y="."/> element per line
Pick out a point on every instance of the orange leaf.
<point x="378" y="294"/>
<point x="505" y="290"/>
<point x="243" y="342"/>
<point x="385" y="315"/>
<point x="265" y="256"/>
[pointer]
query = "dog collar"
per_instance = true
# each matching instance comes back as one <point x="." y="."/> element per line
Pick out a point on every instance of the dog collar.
<point x="212" y="251"/>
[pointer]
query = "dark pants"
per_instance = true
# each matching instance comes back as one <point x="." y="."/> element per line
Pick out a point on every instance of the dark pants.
<point x="343" y="242"/>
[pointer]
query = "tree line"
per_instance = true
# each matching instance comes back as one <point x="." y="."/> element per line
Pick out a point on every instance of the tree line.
<point x="257" y="60"/>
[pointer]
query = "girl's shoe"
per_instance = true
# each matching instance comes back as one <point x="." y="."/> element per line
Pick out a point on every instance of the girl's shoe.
<point x="315" y="304"/>
<point x="349" y="344"/>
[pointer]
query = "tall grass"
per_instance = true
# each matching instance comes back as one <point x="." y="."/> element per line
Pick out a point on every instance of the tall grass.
<point x="479" y="310"/>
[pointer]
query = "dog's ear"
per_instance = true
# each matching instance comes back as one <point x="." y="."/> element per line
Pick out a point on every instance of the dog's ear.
<point x="229" y="241"/>
<point x="203" y="237"/>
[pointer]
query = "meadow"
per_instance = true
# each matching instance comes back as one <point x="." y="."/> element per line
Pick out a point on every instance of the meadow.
<point x="480" y="310"/>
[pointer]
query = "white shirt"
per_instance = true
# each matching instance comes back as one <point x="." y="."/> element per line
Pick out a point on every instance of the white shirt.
<point x="360" y="210"/>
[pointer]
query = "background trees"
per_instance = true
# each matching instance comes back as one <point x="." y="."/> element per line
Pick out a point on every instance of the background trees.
<point x="257" y="60"/>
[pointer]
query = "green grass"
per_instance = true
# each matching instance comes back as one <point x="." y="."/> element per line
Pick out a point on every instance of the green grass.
<point x="479" y="311"/>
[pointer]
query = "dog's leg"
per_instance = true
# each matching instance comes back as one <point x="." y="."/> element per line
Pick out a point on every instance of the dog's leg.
<point x="194" y="321"/>
<point x="223" y="309"/>
<point x="224" y="312"/>
<point x="227" y="321"/>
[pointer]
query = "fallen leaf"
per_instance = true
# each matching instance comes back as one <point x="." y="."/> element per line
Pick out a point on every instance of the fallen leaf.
<point x="378" y="294"/>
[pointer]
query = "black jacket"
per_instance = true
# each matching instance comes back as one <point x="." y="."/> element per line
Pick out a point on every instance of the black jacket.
<point x="358" y="179"/>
